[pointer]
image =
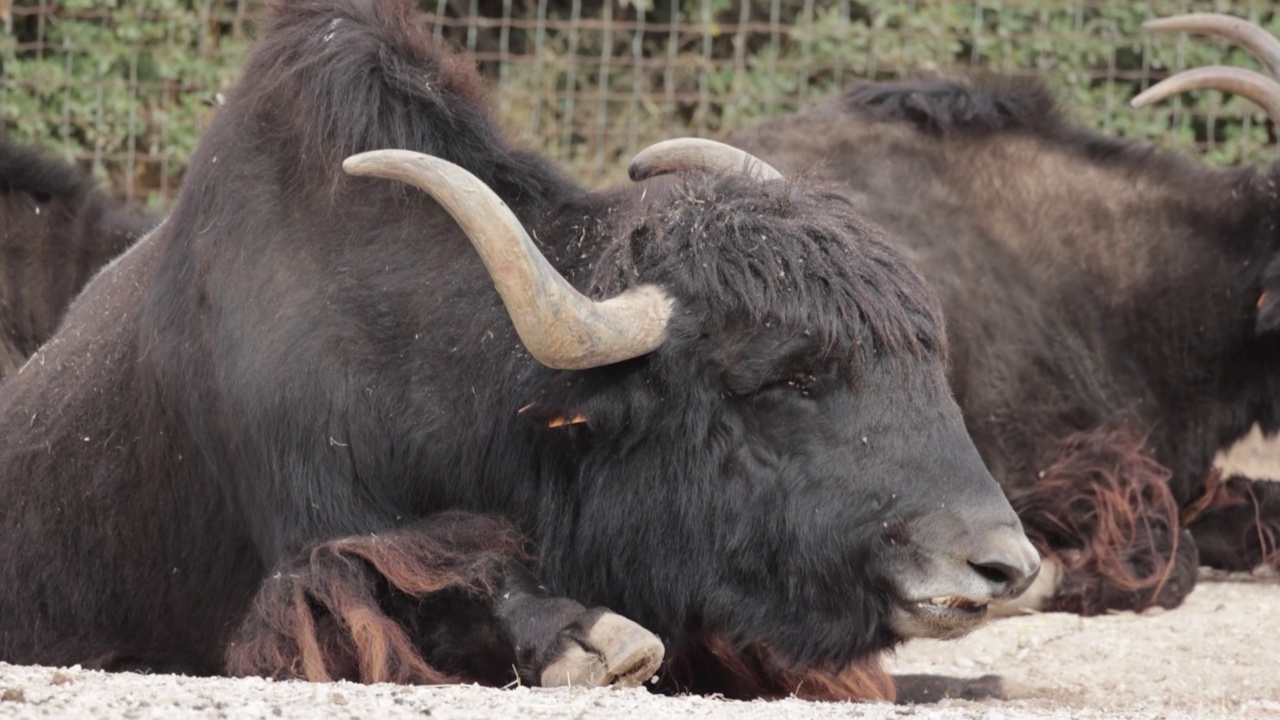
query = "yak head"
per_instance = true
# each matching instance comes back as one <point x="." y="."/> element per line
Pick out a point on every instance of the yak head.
<point x="764" y="450"/>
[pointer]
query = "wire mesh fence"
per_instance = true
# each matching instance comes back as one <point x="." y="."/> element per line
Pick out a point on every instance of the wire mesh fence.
<point x="126" y="87"/>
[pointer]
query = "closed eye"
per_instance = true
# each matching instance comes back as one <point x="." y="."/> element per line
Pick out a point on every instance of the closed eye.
<point x="802" y="383"/>
<point x="770" y="366"/>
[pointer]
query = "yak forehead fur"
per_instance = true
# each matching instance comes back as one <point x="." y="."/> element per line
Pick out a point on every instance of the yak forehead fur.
<point x="792" y="256"/>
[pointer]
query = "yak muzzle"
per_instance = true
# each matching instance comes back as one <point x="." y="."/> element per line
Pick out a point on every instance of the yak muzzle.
<point x="945" y="591"/>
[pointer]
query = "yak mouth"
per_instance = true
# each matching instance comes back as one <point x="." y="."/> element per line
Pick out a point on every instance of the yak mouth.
<point x="943" y="617"/>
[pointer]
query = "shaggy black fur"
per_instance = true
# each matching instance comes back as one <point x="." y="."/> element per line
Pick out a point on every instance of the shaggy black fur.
<point x="1237" y="523"/>
<point x="1088" y="282"/>
<point x="56" y="230"/>
<point x="251" y="422"/>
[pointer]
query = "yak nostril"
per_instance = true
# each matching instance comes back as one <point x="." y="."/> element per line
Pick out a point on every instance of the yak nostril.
<point x="1002" y="576"/>
<point x="1009" y="564"/>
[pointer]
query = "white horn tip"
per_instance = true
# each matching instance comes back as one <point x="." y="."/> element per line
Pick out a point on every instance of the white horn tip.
<point x="1191" y="22"/>
<point x="637" y="171"/>
<point x="681" y="154"/>
<point x="1160" y="23"/>
<point x="358" y="163"/>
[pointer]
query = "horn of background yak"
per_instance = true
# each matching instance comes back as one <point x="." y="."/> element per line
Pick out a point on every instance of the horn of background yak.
<point x="560" y="327"/>
<point x="1261" y="44"/>
<point x="1254" y="85"/>
<point x="671" y="156"/>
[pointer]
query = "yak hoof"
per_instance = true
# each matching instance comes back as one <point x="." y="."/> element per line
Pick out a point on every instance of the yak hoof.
<point x="617" y="651"/>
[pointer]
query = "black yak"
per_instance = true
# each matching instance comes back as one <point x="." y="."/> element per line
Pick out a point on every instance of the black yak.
<point x="304" y="429"/>
<point x="56" y="230"/>
<point x="1112" y="310"/>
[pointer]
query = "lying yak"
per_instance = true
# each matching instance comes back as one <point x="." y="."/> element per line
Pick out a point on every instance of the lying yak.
<point x="1112" y="308"/>
<point x="56" y="230"/>
<point x="323" y="426"/>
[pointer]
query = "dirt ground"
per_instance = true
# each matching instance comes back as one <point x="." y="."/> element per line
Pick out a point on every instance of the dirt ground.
<point x="1218" y="656"/>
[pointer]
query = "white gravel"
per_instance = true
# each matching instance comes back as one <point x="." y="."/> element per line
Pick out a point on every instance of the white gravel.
<point x="1217" y="656"/>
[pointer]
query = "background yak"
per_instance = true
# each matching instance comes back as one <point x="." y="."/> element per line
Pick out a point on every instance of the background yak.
<point x="293" y="431"/>
<point x="56" y="230"/>
<point x="1112" y="311"/>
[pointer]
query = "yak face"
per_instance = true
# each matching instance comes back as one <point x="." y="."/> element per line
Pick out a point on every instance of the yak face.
<point x="1243" y="407"/>
<point x="1262" y="351"/>
<point x="1267" y="317"/>
<point x="1214" y="366"/>
<point x="789" y="467"/>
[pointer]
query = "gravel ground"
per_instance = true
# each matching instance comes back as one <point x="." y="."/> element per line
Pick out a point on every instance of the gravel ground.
<point x="1217" y="656"/>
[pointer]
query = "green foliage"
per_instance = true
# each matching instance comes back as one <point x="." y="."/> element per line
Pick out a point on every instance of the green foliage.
<point x="121" y="85"/>
<point x="124" y="85"/>
<point x="717" y="73"/>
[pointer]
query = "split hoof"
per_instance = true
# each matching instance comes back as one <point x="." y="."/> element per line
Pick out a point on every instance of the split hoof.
<point x="617" y="651"/>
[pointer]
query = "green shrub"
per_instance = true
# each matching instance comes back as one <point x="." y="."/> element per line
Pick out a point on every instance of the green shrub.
<point x="124" y="87"/>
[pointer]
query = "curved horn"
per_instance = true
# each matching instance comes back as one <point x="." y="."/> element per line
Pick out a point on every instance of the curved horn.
<point x="1240" y="81"/>
<point x="1261" y="44"/>
<point x="671" y="156"/>
<point x="559" y="326"/>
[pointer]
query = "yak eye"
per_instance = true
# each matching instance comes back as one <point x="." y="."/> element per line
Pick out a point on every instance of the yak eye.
<point x="803" y="383"/>
<point x="799" y="382"/>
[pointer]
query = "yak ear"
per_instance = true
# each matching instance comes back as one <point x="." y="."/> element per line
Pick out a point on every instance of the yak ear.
<point x="600" y="400"/>
<point x="558" y="403"/>
<point x="1268" y="315"/>
<point x="1267" y="304"/>
<point x="547" y="415"/>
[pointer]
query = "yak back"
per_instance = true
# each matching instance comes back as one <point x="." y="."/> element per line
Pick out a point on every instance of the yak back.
<point x="1085" y="279"/>
<point x="56" y="230"/>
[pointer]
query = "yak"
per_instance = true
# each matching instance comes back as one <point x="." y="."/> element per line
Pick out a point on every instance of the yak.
<point x="1112" y="310"/>
<point x="56" y="230"/>
<point x="447" y="416"/>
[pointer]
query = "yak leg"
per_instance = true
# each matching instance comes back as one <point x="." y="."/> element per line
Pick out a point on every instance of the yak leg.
<point x="559" y="642"/>
<point x="1105" y="515"/>
<point x="1236" y="523"/>
<point x="445" y="600"/>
